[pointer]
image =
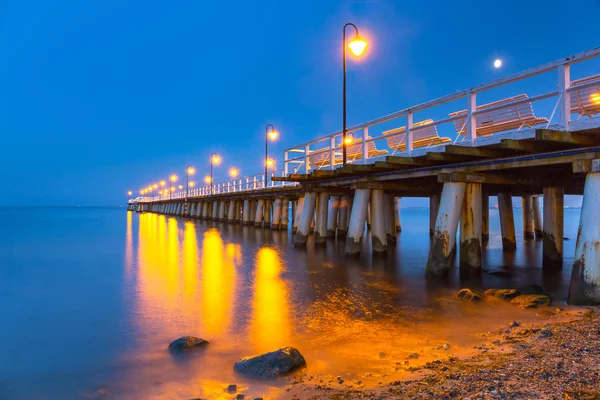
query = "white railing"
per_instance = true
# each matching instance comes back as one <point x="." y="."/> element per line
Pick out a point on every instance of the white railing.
<point x="402" y="133"/>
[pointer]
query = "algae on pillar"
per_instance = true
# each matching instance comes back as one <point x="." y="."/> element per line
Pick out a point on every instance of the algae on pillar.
<point x="585" y="277"/>
<point x="378" y="235"/>
<point x="321" y="218"/>
<point x="553" y="227"/>
<point x="307" y="213"/>
<point x="507" y="221"/>
<point x="358" y="217"/>
<point x="444" y="237"/>
<point x="470" y="228"/>
<point x="528" y="220"/>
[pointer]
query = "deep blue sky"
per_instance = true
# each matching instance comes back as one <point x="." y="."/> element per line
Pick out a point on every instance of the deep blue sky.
<point x="100" y="97"/>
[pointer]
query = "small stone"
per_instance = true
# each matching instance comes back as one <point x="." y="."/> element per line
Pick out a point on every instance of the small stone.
<point x="340" y="381"/>
<point x="544" y="313"/>
<point x="231" y="389"/>
<point x="239" y="397"/>
<point x="413" y="355"/>
<point x="446" y="346"/>
<point x="514" y="324"/>
<point x="545" y="333"/>
<point x="504" y="294"/>
<point x="382" y="355"/>
<point x="187" y="343"/>
<point x="271" y="365"/>
<point x="469" y="295"/>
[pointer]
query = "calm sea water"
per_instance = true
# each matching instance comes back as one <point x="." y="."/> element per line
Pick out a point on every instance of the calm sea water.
<point x="90" y="299"/>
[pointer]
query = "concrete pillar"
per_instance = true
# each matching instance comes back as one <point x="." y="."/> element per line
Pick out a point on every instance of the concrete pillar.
<point x="298" y="214"/>
<point x="260" y="209"/>
<point x="538" y="226"/>
<point x="246" y="213"/>
<point x="253" y="206"/>
<point x="444" y="236"/>
<point x="205" y="210"/>
<point x="332" y="215"/>
<point x="321" y="218"/>
<point x="221" y="210"/>
<point x="199" y="208"/>
<point x="528" y="223"/>
<point x="507" y="221"/>
<point x="215" y="211"/>
<point x="357" y="221"/>
<point x="231" y="211"/>
<point x="434" y="206"/>
<point x="276" y="214"/>
<point x="369" y="216"/>
<point x="192" y="211"/>
<point x="553" y="227"/>
<point x="308" y="202"/>
<point x="267" y="214"/>
<point x="344" y="212"/>
<point x="397" y="214"/>
<point x="378" y="234"/>
<point x="285" y="210"/>
<point x="585" y="277"/>
<point x="470" y="228"/>
<point x="389" y="208"/>
<point x="485" y="217"/>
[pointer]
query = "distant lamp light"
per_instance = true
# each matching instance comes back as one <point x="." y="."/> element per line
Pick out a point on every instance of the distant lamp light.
<point x="349" y="139"/>
<point x="173" y="178"/>
<point x="155" y="186"/>
<point x="357" y="46"/>
<point x="172" y="189"/>
<point x="233" y="172"/>
<point x="273" y="134"/>
<point x="270" y="162"/>
<point x="497" y="63"/>
<point x="180" y="187"/>
<point x="595" y="97"/>
<point x="191" y="171"/>
<point x="129" y="193"/>
<point x="163" y="183"/>
<point x="215" y="159"/>
<point x="207" y="179"/>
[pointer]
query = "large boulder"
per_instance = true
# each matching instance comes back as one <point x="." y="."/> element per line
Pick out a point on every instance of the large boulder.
<point x="504" y="294"/>
<point x="532" y="300"/>
<point x="271" y="365"/>
<point x="187" y="343"/>
<point x="468" y="295"/>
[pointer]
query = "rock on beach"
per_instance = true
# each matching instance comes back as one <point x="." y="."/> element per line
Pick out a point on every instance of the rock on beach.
<point x="468" y="295"/>
<point x="271" y="365"/>
<point x="532" y="300"/>
<point x="187" y="343"/>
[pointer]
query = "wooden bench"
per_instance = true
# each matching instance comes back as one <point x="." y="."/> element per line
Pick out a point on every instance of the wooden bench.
<point x="512" y="116"/>
<point x="355" y="151"/>
<point x="320" y="159"/>
<point x="585" y="101"/>
<point x="424" y="135"/>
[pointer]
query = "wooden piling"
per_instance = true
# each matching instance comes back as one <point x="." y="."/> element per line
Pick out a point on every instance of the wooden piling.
<point x="528" y="220"/>
<point x="358" y="217"/>
<point x="306" y="216"/>
<point x="390" y="215"/>
<point x="538" y="225"/>
<point x="378" y="235"/>
<point x="507" y="221"/>
<point x="553" y="227"/>
<point x="434" y="206"/>
<point x="470" y="229"/>
<point x="344" y="213"/>
<point x="332" y="215"/>
<point x="321" y="218"/>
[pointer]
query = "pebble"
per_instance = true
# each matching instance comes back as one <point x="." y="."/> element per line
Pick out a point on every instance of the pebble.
<point x="231" y="389"/>
<point x="239" y="397"/>
<point x="413" y="355"/>
<point x="546" y="333"/>
<point x="381" y="354"/>
<point x="446" y="346"/>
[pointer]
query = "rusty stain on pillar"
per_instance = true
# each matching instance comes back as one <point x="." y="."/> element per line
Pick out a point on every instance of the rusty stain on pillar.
<point x="528" y="222"/>
<point x="552" y="251"/>
<point x="470" y="229"/>
<point x="538" y="225"/>
<point x="507" y="221"/>
<point x="378" y="234"/>
<point x="485" y="217"/>
<point x="307" y="213"/>
<point x="389" y="209"/>
<point x="397" y="214"/>
<point x="585" y="276"/>
<point x="321" y="218"/>
<point x="434" y="206"/>
<point x="358" y="217"/>
<point x="446" y="223"/>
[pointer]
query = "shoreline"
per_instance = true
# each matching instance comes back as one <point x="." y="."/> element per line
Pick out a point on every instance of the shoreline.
<point x="552" y="358"/>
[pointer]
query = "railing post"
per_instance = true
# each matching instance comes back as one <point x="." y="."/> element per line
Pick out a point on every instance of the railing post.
<point x="306" y="166"/>
<point x="564" y="102"/>
<point x="332" y="152"/>
<point x="409" y="134"/>
<point x="471" y="118"/>
<point x="285" y="163"/>
<point x="254" y="184"/>
<point x="365" y="149"/>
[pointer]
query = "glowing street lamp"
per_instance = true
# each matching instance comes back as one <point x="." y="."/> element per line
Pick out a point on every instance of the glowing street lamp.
<point x="357" y="46"/>
<point x="233" y="172"/>
<point x="214" y="160"/>
<point x="269" y="134"/>
<point x="188" y="171"/>
<point x="172" y="178"/>
<point x="129" y="193"/>
<point x="207" y="179"/>
<point x="270" y="162"/>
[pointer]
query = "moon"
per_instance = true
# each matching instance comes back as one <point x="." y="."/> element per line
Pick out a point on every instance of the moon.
<point x="497" y="63"/>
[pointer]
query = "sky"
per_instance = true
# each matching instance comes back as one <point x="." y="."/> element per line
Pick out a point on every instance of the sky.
<point x="98" y="98"/>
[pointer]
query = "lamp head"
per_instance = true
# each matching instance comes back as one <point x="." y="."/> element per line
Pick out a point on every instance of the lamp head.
<point x="233" y="172"/>
<point x="129" y="193"/>
<point x="215" y="159"/>
<point x="273" y="134"/>
<point x="357" y="46"/>
<point x="192" y="184"/>
<point x="207" y="179"/>
<point x="270" y="162"/>
<point x="162" y="183"/>
<point x="173" y="178"/>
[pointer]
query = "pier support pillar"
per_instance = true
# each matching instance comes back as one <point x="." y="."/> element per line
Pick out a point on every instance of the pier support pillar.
<point x="390" y="215"/>
<point x="215" y="210"/>
<point x="528" y="222"/>
<point x="258" y="216"/>
<point x="298" y="214"/>
<point x="332" y="215"/>
<point x="470" y="228"/>
<point x="267" y="213"/>
<point x="378" y="234"/>
<point x="585" y="277"/>
<point x="538" y="226"/>
<point x="192" y="209"/>
<point x="434" y="206"/>
<point x="276" y="214"/>
<point x="321" y="220"/>
<point x="444" y="236"/>
<point x="344" y="212"/>
<point x="231" y="211"/>
<point x="553" y="227"/>
<point x="285" y="214"/>
<point x="222" y="207"/>
<point x="246" y="213"/>
<point x="358" y="217"/>
<point x="397" y="214"/>
<point x="507" y="221"/>
<point x="308" y="202"/>
<point x="485" y="218"/>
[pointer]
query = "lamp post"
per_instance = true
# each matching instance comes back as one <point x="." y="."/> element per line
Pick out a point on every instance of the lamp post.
<point x="214" y="159"/>
<point x="357" y="46"/>
<point x="172" y="178"/>
<point x="269" y="134"/>
<point x="188" y="171"/>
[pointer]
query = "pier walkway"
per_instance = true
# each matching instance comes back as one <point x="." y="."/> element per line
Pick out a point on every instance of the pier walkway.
<point x="532" y="134"/>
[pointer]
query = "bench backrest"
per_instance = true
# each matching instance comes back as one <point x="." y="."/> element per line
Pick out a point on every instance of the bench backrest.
<point x="501" y="119"/>
<point x="396" y="138"/>
<point x="585" y="101"/>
